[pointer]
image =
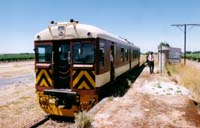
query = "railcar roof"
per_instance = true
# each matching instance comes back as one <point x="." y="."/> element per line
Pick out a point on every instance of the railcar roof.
<point x="72" y="30"/>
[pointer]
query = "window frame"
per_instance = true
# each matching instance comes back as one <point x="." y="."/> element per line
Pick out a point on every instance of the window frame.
<point x="47" y="55"/>
<point x="102" y="44"/>
<point x="122" y="54"/>
<point x="126" y="54"/>
<point x="83" y="43"/>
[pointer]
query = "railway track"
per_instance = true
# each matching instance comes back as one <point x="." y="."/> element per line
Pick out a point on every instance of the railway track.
<point x="53" y="121"/>
<point x="40" y="122"/>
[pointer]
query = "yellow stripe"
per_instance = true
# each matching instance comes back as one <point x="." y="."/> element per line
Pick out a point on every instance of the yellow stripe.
<point x="43" y="83"/>
<point x="83" y="84"/>
<point x="74" y="72"/>
<point x="48" y="77"/>
<point x="93" y="73"/>
<point x="90" y="79"/>
<point x="78" y="78"/>
<point x="39" y="76"/>
<point x="51" y="71"/>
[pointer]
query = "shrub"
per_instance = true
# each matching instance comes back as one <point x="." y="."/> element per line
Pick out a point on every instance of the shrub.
<point x="82" y="120"/>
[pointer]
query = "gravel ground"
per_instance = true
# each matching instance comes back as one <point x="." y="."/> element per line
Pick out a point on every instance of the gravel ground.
<point x="152" y="101"/>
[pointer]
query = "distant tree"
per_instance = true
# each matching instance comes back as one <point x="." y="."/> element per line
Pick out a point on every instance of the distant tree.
<point x="196" y="52"/>
<point x="188" y="52"/>
<point x="166" y="44"/>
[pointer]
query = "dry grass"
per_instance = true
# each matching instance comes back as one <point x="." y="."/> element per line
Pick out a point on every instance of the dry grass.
<point x="83" y="120"/>
<point x="18" y="106"/>
<point x="189" y="76"/>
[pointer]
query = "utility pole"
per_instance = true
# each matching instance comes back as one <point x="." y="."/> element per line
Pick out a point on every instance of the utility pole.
<point x="185" y="32"/>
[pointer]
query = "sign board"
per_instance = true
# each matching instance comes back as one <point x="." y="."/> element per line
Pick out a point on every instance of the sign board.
<point x="174" y="55"/>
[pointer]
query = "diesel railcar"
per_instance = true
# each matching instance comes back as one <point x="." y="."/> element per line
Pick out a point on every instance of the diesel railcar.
<point x="74" y="61"/>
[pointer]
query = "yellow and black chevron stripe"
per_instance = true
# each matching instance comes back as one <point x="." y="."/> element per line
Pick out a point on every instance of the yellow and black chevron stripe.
<point x="83" y="79"/>
<point x="44" y="77"/>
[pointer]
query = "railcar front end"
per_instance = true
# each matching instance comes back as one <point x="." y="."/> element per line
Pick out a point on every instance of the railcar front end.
<point x="65" y="76"/>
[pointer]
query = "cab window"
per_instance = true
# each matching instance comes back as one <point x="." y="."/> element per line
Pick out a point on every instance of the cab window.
<point x="43" y="53"/>
<point x="83" y="53"/>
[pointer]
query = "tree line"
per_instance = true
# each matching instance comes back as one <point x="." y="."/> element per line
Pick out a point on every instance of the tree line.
<point x="16" y="57"/>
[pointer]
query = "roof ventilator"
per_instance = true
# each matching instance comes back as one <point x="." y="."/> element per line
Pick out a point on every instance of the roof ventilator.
<point x="62" y="28"/>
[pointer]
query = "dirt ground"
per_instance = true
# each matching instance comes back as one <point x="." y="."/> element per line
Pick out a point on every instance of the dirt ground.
<point x="152" y="101"/>
<point x="13" y="69"/>
<point x="18" y="105"/>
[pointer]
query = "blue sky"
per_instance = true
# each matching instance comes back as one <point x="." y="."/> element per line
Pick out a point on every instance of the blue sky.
<point x="143" y="22"/>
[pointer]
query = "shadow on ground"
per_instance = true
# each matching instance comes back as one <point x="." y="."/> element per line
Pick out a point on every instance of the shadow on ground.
<point x="121" y="85"/>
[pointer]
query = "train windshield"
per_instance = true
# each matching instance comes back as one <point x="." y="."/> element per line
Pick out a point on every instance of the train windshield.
<point x="43" y="53"/>
<point x="83" y="53"/>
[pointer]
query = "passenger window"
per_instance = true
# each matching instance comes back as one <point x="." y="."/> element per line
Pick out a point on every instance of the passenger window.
<point x="126" y="54"/>
<point x="122" y="54"/>
<point x="101" y="54"/>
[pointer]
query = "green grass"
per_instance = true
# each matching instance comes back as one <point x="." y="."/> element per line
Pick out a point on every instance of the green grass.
<point x="193" y="56"/>
<point x="16" y="57"/>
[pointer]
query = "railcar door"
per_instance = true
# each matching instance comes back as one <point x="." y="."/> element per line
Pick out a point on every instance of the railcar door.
<point x="130" y="58"/>
<point x="112" y="63"/>
<point x="62" y="65"/>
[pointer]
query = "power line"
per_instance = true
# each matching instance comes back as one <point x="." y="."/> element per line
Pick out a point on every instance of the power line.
<point x="179" y="26"/>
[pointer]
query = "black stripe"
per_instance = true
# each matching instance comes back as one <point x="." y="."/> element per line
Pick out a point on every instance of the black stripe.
<point x="76" y="74"/>
<point x="48" y="72"/>
<point x="41" y="78"/>
<point x="91" y="74"/>
<point x="37" y="73"/>
<point x="88" y="83"/>
<point x="86" y="80"/>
